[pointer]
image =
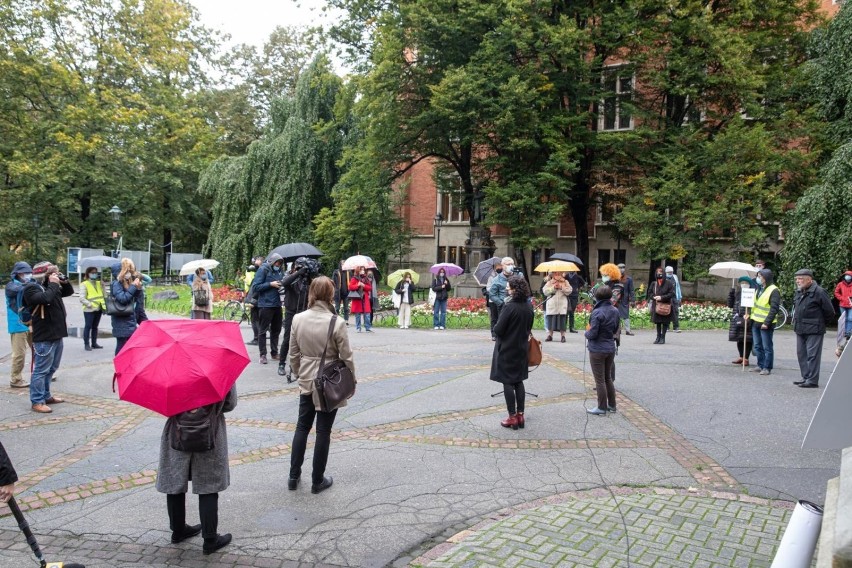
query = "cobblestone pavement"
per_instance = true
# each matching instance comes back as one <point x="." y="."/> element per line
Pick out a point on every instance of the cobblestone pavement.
<point x="700" y="465"/>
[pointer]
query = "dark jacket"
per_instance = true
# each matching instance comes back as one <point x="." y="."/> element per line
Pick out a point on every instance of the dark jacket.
<point x="441" y="293"/>
<point x="48" y="324"/>
<point x="576" y="281"/>
<point x="208" y="470"/>
<point x="666" y="291"/>
<point x="509" y="361"/>
<point x="264" y="292"/>
<point x="411" y="289"/>
<point x="603" y="326"/>
<point x="738" y="327"/>
<point x="296" y="286"/>
<point x="340" y="279"/>
<point x="7" y="470"/>
<point x="123" y="326"/>
<point x="812" y="310"/>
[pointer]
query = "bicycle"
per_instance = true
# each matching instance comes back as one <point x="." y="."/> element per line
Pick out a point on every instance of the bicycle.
<point x="782" y="317"/>
<point x="237" y="310"/>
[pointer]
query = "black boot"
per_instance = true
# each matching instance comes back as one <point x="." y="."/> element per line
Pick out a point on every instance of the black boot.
<point x="86" y="345"/>
<point x="659" y="337"/>
<point x="663" y="338"/>
<point x="208" y="509"/>
<point x="176" y="506"/>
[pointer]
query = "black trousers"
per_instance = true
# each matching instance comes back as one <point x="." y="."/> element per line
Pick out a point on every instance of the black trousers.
<point x="119" y="343"/>
<point x="345" y="301"/>
<point x="285" y="343"/>
<point x="601" y="364"/>
<point x="270" y="320"/>
<point x="809" y="353"/>
<point x="662" y="328"/>
<point x="494" y="312"/>
<point x="208" y="512"/>
<point x="90" y="328"/>
<point x="325" y="420"/>
<point x="675" y="319"/>
<point x="515" y="394"/>
<point x="572" y="307"/>
<point x="255" y="323"/>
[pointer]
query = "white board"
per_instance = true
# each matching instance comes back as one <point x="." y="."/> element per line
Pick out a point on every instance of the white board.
<point x="831" y="426"/>
<point x="747" y="297"/>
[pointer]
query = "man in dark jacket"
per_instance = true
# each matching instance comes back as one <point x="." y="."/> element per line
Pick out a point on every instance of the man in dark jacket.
<point x="767" y="302"/>
<point x="8" y="476"/>
<point x="577" y="283"/>
<point x="43" y="296"/>
<point x="295" y="302"/>
<point x="812" y="310"/>
<point x="340" y="278"/>
<point x="265" y="287"/>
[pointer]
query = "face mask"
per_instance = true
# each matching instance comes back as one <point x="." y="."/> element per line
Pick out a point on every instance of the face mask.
<point x="605" y="278"/>
<point x="670" y="276"/>
<point x="759" y="279"/>
<point x="93" y="276"/>
<point x="127" y="276"/>
<point x="442" y="275"/>
<point x="276" y="268"/>
<point x="507" y="270"/>
<point x="847" y="279"/>
<point x="660" y="276"/>
<point x="26" y="277"/>
<point x="744" y="285"/>
<point x="204" y="278"/>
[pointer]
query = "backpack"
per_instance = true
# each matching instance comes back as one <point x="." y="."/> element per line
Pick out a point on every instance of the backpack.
<point x="200" y="297"/>
<point x="25" y="314"/>
<point x="195" y="430"/>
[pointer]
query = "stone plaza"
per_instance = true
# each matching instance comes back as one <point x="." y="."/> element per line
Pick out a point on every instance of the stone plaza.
<point x="701" y="465"/>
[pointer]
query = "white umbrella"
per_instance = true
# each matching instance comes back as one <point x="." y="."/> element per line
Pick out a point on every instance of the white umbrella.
<point x="193" y="265"/>
<point x="354" y="262"/>
<point x="732" y="270"/>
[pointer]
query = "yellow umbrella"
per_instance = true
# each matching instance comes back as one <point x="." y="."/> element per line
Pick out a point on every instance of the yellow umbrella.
<point x="557" y="266"/>
<point x="396" y="277"/>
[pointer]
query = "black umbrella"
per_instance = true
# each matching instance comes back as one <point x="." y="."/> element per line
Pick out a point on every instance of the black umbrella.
<point x="567" y="257"/>
<point x="292" y="251"/>
<point x="31" y="540"/>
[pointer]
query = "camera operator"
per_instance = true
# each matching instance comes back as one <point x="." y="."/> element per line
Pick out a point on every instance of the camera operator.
<point x="250" y="299"/>
<point x="43" y="297"/>
<point x="265" y="286"/>
<point x="295" y="286"/>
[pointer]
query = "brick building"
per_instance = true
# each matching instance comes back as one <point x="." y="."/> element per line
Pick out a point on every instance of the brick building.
<point x="447" y="243"/>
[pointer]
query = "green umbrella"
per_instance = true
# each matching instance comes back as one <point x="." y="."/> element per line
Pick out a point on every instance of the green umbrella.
<point x="396" y="277"/>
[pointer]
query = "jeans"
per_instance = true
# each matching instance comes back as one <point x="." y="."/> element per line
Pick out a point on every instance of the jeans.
<point x="439" y="314"/>
<point x="48" y="355"/>
<point x="368" y="322"/>
<point x="90" y="328"/>
<point x="848" y="312"/>
<point x="325" y="420"/>
<point x="763" y="349"/>
<point x="119" y="343"/>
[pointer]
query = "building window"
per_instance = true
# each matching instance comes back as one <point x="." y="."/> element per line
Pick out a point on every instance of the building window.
<point x="620" y="256"/>
<point x="452" y="209"/>
<point x="615" y="113"/>
<point x="603" y="256"/>
<point x="463" y="257"/>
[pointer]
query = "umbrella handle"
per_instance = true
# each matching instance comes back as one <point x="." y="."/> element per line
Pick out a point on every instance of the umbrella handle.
<point x="114" y="377"/>
<point x="25" y="528"/>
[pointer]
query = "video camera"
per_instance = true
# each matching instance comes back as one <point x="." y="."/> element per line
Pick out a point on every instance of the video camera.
<point x="311" y="265"/>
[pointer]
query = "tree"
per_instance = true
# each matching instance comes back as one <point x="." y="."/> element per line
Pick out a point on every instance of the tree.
<point x="819" y="230"/>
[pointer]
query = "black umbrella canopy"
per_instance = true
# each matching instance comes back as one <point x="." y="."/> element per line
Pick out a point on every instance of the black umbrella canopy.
<point x="567" y="257"/>
<point x="292" y="251"/>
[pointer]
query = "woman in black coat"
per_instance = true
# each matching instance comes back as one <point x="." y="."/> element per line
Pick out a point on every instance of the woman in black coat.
<point x="661" y="291"/>
<point x="509" y="362"/>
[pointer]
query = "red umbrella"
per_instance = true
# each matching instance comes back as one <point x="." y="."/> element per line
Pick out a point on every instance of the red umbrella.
<point x="170" y="366"/>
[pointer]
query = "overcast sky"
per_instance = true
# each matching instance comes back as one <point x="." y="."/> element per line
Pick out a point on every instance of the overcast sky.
<point x="251" y="21"/>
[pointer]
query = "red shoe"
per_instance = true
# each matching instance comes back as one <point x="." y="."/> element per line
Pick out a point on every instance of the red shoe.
<point x="510" y="422"/>
<point x="520" y="416"/>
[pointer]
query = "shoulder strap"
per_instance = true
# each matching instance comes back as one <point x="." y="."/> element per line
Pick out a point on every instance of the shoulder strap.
<point x="327" y="339"/>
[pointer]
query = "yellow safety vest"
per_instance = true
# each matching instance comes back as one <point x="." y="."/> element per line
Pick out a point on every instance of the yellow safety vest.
<point x="249" y="279"/>
<point x="761" y="304"/>
<point x="95" y="293"/>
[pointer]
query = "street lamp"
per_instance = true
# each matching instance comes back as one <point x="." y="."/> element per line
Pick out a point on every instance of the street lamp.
<point x="439" y="220"/>
<point x="36" y="225"/>
<point x="116" y="219"/>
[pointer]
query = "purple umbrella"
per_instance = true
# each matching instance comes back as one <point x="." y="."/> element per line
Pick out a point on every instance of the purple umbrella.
<point x="449" y="268"/>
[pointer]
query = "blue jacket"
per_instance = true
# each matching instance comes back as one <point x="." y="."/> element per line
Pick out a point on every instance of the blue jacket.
<point x="123" y="326"/>
<point x="497" y="291"/>
<point x="602" y="327"/>
<point x="266" y="294"/>
<point x="13" y="322"/>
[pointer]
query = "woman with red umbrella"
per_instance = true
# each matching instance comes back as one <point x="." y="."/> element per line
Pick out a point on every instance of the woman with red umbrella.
<point x="359" y="296"/>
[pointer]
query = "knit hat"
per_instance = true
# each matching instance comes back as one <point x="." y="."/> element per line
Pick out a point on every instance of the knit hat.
<point x="42" y="269"/>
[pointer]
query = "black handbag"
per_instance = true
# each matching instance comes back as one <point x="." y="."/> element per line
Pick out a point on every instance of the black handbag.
<point x="335" y="382"/>
<point x="354" y="295"/>
<point x="113" y="308"/>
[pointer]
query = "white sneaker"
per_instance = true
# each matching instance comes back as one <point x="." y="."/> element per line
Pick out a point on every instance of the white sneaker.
<point x="436" y="327"/>
<point x="442" y="327"/>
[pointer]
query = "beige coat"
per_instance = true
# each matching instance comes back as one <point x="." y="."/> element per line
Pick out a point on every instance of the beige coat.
<point x="308" y="336"/>
<point x="557" y="300"/>
<point x="197" y="284"/>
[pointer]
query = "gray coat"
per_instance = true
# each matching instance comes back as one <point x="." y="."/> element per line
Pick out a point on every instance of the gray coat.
<point x="208" y="470"/>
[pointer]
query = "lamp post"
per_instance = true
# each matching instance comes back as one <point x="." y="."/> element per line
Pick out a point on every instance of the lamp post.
<point x="36" y="225"/>
<point x="439" y="220"/>
<point x="116" y="219"/>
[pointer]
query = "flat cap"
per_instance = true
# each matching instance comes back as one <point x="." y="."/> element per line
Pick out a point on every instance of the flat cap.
<point x="805" y="272"/>
<point x="621" y="265"/>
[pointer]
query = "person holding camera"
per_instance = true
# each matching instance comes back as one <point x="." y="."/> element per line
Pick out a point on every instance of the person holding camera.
<point x="126" y="289"/>
<point x="43" y="297"/>
<point x="296" y="285"/>
<point x="359" y="297"/>
<point x="265" y="287"/>
<point x="256" y="262"/>
<point x="94" y="304"/>
<point x="405" y="288"/>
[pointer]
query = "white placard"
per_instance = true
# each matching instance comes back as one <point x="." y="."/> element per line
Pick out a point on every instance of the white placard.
<point x="747" y="297"/>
